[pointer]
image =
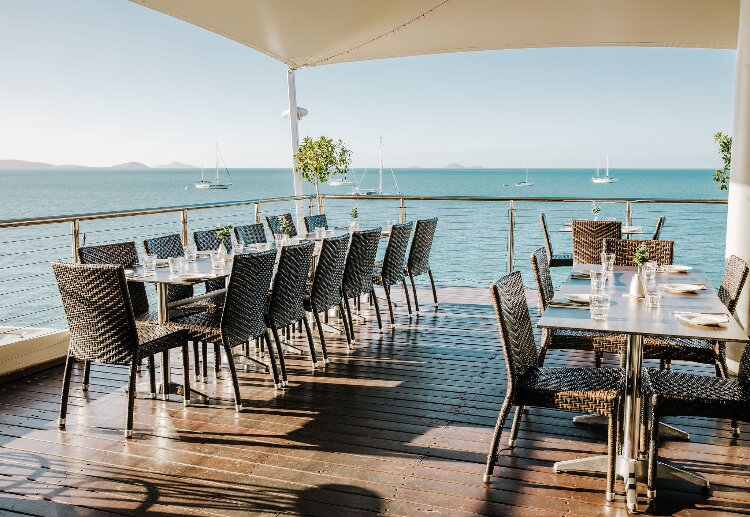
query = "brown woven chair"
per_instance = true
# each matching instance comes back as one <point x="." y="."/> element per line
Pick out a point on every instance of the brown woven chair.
<point x="669" y="393"/>
<point x="586" y="390"/>
<point x="563" y="339"/>
<point x="554" y="260"/>
<point x="702" y="351"/>
<point x="103" y="329"/>
<point x="624" y="250"/>
<point x="588" y="237"/>
<point x="657" y="230"/>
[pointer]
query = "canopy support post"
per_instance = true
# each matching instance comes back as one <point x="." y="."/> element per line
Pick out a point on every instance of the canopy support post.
<point x="294" y="132"/>
<point x="738" y="209"/>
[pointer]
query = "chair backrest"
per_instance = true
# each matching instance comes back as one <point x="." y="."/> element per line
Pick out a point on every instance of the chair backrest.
<point x="744" y="373"/>
<point x="250" y="233"/>
<point x="395" y="253"/>
<point x="624" y="250"/>
<point x="545" y="234"/>
<point x="421" y="245"/>
<point x="329" y="273"/>
<point x="274" y="224"/>
<point x="119" y="254"/>
<point x="514" y="325"/>
<point x="165" y="247"/>
<point x="588" y="237"/>
<point x="97" y="306"/>
<point x="542" y="277"/>
<point x="243" y="317"/>
<point x="360" y="262"/>
<point x="735" y="275"/>
<point x="207" y="240"/>
<point x="657" y="230"/>
<point x="290" y="284"/>
<point x="316" y="221"/>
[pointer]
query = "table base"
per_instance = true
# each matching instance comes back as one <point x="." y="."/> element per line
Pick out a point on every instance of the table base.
<point x="664" y="429"/>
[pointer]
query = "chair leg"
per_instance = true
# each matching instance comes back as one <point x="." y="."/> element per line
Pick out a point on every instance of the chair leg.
<point x="282" y="364"/>
<point x="152" y="376"/>
<point x="377" y="312"/>
<point x="217" y="358"/>
<point x="321" y="335"/>
<point x="86" y="375"/>
<point x="65" y="391"/>
<point x="414" y="291"/>
<point x="612" y="422"/>
<point x="235" y="382"/>
<point x="653" y="447"/>
<point x="515" y="425"/>
<point x="351" y="320"/>
<point x="272" y="360"/>
<point x="722" y="369"/>
<point x="165" y="375"/>
<point x="345" y="322"/>
<point x="204" y="360"/>
<point x="598" y="357"/>
<point x="131" y="398"/>
<point x="434" y="291"/>
<point x="390" y="305"/>
<point x="492" y="456"/>
<point x="197" y="361"/>
<point x="186" y="375"/>
<point x="406" y="295"/>
<point x="310" y="343"/>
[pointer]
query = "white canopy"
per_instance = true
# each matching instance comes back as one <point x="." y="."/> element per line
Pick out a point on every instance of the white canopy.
<point x="305" y="33"/>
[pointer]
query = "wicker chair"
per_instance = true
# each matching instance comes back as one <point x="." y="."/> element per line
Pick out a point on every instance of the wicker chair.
<point x="564" y="260"/>
<point x="287" y="302"/>
<point x="103" y="329"/>
<point x="702" y="351"/>
<point x="624" y="250"/>
<point x="207" y="240"/>
<point x="242" y="317"/>
<point x="315" y="221"/>
<point x="325" y="291"/>
<point x="588" y="237"/>
<point x="669" y="393"/>
<point x="562" y="339"/>
<point x="250" y="234"/>
<point x="166" y="247"/>
<point x="657" y="230"/>
<point x="274" y="224"/>
<point x="418" y="262"/>
<point x="391" y="271"/>
<point x="360" y="264"/>
<point x="587" y="390"/>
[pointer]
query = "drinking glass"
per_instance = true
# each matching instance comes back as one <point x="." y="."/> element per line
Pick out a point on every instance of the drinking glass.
<point x="149" y="264"/>
<point x="598" y="281"/>
<point x="608" y="261"/>
<point x="653" y="295"/>
<point x="239" y="248"/>
<point x="599" y="306"/>
<point x="217" y="260"/>
<point x="191" y="253"/>
<point x="648" y="272"/>
<point x="320" y="232"/>
<point x="176" y="265"/>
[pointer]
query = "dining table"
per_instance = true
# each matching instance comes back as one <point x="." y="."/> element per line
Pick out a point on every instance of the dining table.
<point x="627" y="231"/>
<point x="633" y="318"/>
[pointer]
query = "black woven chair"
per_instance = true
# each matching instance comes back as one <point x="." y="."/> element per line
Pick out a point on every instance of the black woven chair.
<point x="588" y="237"/>
<point x="164" y="248"/>
<point x="250" y="234"/>
<point x="418" y="262"/>
<point x="325" y="291"/>
<point x="207" y="240"/>
<point x="315" y="221"/>
<point x="242" y="318"/>
<point x="287" y="302"/>
<point x="669" y="349"/>
<point x="587" y="390"/>
<point x="103" y="329"/>
<point x="669" y="393"/>
<point x="560" y="260"/>
<point x="563" y="339"/>
<point x="391" y="271"/>
<point x="657" y="230"/>
<point x="624" y="249"/>
<point x="274" y="224"/>
<point x="358" y="270"/>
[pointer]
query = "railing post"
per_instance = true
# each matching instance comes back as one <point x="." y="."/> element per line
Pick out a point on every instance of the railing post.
<point x="184" y="224"/>
<point x="321" y="208"/>
<point x="403" y="212"/>
<point x="628" y="213"/>
<point x="511" y="232"/>
<point x="75" y="237"/>
<point x="257" y="213"/>
<point x="310" y="207"/>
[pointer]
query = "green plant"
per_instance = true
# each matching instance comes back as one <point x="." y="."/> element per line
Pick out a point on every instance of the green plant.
<point x="641" y="255"/>
<point x="318" y="160"/>
<point x="285" y="225"/>
<point x="595" y="209"/>
<point x="721" y="176"/>
<point x="224" y="233"/>
<point x="355" y="212"/>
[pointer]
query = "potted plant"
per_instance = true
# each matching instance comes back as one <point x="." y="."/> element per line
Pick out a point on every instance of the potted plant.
<point x="318" y="160"/>
<point x="224" y="234"/>
<point x="595" y="209"/>
<point x="637" y="289"/>
<point x="355" y="216"/>
<point x="285" y="227"/>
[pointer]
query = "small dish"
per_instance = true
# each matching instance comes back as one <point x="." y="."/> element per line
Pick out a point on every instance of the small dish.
<point x="578" y="298"/>
<point x="684" y="288"/>
<point x="704" y="320"/>
<point x="676" y="268"/>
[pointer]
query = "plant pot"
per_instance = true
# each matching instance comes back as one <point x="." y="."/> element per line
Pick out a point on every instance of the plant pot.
<point x="353" y="226"/>
<point x="637" y="289"/>
<point x="222" y="250"/>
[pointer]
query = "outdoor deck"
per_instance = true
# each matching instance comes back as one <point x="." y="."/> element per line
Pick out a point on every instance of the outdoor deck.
<point x="400" y="425"/>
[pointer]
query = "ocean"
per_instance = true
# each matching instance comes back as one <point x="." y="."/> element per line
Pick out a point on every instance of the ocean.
<point x="471" y="246"/>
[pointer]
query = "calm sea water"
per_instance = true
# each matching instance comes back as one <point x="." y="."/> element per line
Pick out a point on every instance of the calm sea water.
<point x="472" y="240"/>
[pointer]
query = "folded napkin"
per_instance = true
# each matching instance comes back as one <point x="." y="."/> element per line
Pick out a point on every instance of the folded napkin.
<point x="580" y="275"/>
<point x="567" y="304"/>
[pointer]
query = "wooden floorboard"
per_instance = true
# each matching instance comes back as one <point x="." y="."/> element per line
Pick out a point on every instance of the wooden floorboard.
<point x="398" y="425"/>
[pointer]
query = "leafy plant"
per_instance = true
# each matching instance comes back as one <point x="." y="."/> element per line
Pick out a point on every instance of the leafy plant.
<point x="595" y="209"/>
<point x="318" y="160"/>
<point x="285" y="225"/>
<point x="224" y="233"/>
<point x="641" y="255"/>
<point x="355" y="212"/>
<point x="721" y="176"/>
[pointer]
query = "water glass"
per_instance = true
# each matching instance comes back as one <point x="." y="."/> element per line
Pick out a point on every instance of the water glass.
<point x="653" y="295"/>
<point x="191" y="253"/>
<point x="599" y="306"/>
<point x="217" y="260"/>
<point x="598" y="282"/>
<point x="648" y="272"/>
<point x="608" y="261"/>
<point x="320" y="232"/>
<point x="176" y="265"/>
<point x="239" y="248"/>
<point x="149" y="264"/>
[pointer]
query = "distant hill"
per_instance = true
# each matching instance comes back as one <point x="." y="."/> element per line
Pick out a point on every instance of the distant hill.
<point x="455" y="166"/>
<point x="23" y="164"/>
<point x="176" y="165"/>
<point x="130" y="165"/>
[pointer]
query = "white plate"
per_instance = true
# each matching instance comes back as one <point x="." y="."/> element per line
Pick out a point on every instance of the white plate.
<point x="707" y="320"/>
<point x="205" y="253"/>
<point x="684" y="288"/>
<point x="675" y="268"/>
<point x="578" y="298"/>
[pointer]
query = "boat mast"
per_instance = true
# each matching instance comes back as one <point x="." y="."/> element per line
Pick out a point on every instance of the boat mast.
<point x="607" y="175"/>
<point x="380" y="176"/>
<point x="597" y="168"/>
<point x="217" y="163"/>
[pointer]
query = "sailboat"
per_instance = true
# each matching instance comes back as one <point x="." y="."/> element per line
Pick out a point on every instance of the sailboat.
<point x="205" y="184"/>
<point x="526" y="182"/>
<point x="358" y="191"/>
<point x="606" y="178"/>
<point x="338" y="182"/>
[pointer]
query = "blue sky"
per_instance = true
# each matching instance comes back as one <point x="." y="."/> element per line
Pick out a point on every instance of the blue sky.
<point x="98" y="82"/>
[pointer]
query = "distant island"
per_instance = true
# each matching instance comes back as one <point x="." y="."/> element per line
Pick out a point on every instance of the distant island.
<point x="23" y="164"/>
<point x="460" y="166"/>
